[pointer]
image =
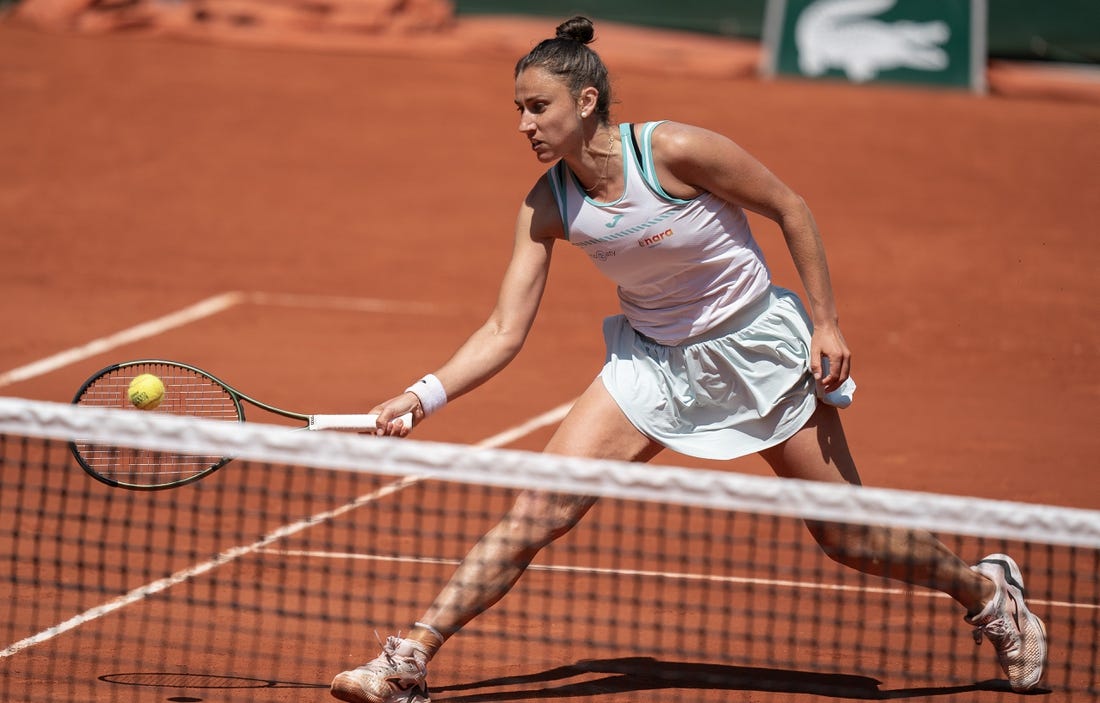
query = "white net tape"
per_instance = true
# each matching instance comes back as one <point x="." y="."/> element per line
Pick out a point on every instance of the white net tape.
<point x="1037" y="523"/>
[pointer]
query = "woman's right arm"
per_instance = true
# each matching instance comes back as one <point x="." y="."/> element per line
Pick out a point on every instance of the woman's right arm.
<point x="496" y="342"/>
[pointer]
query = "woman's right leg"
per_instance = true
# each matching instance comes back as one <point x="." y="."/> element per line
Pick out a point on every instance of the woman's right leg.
<point x="594" y="428"/>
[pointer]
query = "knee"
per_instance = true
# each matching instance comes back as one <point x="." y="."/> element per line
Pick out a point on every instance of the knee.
<point x="538" y="519"/>
<point x="841" y="542"/>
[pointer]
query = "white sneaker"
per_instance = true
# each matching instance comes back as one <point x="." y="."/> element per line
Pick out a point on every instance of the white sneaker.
<point x="397" y="675"/>
<point x="1017" y="634"/>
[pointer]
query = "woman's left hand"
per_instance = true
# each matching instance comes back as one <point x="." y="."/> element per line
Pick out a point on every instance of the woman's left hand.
<point x="830" y="358"/>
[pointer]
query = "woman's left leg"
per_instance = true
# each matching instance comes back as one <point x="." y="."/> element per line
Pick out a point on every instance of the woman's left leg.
<point x="992" y="591"/>
<point x="819" y="452"/>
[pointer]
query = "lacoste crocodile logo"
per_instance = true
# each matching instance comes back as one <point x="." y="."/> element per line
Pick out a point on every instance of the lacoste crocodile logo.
<point x="844" y="34"/>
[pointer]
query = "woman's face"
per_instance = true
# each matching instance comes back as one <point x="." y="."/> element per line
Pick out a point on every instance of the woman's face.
<point x="549" y="115"/>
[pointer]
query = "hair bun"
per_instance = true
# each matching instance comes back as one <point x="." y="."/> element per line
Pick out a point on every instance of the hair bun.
<point x="578" y="29"/>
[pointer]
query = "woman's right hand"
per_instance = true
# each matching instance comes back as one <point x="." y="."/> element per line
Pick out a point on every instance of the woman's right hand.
<point x="389" y="413"/>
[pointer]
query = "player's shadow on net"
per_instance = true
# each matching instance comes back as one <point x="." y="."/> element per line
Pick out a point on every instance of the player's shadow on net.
<point x="634" y="674"/>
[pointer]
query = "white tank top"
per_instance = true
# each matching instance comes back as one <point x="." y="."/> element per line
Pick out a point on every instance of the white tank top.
<point x="682" y="266"/>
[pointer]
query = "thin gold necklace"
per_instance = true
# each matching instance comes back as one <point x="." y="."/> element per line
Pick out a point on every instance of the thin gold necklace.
<point x="606" y="160"/>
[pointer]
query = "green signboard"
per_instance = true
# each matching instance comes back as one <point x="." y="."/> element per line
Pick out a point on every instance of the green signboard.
<point x="935" y="42"/>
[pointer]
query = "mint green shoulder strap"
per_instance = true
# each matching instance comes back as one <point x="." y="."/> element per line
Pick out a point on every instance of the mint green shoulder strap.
<point x="644" y="146"/>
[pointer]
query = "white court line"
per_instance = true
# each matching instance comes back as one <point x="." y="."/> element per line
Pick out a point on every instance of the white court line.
<point x="199" y="310"/>
<point x="225" y="557"/>
<point x="670" y="576"/>
<point x="207" y="308"/>
<point x="229" y="555"/>
<point x="538" y="422"/>
<point x="335" y="302"/>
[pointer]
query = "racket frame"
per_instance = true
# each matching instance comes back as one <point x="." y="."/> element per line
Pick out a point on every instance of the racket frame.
<point x="310" y="422"/>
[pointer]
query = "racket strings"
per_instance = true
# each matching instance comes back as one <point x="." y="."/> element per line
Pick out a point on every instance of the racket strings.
<point x="186" y="393"/>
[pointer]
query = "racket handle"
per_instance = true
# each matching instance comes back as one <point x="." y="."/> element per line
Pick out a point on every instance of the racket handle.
<point x="350" y="422"/>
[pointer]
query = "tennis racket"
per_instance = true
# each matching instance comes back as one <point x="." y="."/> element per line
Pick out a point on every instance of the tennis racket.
<point x="187" y="391"/>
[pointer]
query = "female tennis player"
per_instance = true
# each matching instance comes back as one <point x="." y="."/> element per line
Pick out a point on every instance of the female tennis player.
<point x="708" y="357"/>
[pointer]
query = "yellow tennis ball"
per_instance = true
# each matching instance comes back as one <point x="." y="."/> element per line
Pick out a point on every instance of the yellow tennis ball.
<point x="146" y="391"/>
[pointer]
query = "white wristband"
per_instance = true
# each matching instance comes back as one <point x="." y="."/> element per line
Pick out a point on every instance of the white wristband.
<point x="430" y="392"/>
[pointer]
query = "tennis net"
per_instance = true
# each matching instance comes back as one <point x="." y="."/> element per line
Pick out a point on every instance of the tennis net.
<point x="265" y="579"/>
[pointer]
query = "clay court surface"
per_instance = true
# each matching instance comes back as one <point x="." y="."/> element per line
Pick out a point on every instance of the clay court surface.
<point x="361" y="203"/>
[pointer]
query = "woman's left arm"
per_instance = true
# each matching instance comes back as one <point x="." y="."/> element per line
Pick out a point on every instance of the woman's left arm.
<point x="690" y="160"/>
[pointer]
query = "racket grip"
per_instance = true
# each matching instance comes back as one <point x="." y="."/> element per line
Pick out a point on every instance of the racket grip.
<point x="350" y="422"/>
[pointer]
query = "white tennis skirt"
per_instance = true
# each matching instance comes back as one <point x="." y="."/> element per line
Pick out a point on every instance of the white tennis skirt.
<point x="735" y="390"/>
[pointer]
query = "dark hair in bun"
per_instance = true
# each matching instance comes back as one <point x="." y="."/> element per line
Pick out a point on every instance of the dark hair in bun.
<point x="578" y="29"/>
<point x="568" y="57"/>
